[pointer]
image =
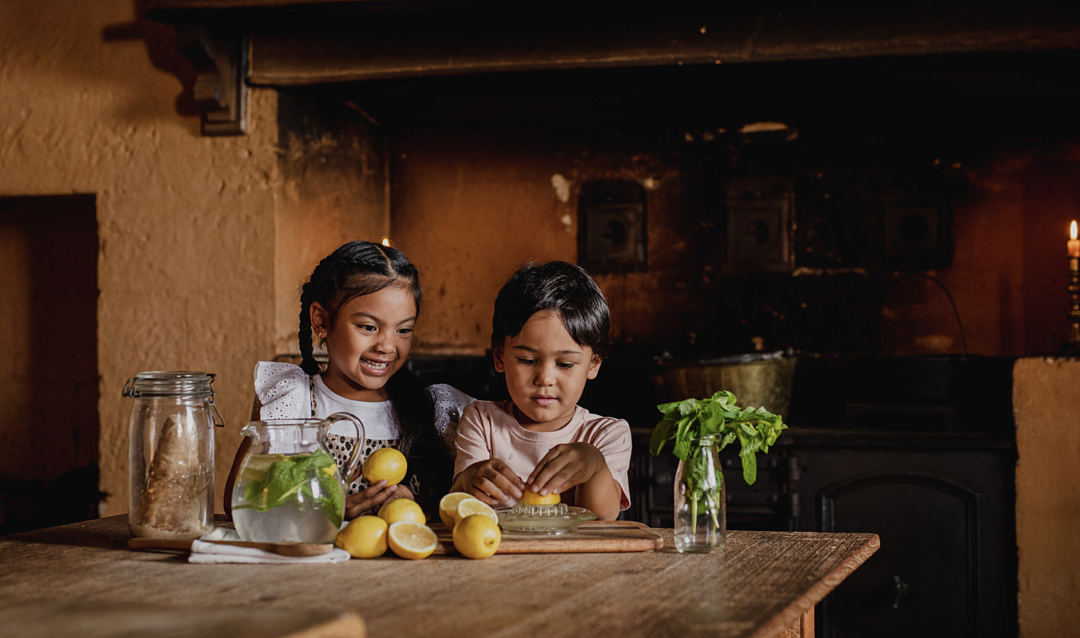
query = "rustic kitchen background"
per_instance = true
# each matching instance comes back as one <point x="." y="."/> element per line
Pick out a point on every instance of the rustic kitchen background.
<point x="882" y="194"/>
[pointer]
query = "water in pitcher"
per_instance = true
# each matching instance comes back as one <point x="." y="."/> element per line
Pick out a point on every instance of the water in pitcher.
<point x="288" y="498"/>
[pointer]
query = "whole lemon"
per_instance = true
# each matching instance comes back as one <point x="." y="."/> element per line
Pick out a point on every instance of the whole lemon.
<point x="363" y="537"/>
<point x="402" y="509"/>
<point x="532" y="498"/>
<point x="477" y="536"/>
<point x="386" y="463"/>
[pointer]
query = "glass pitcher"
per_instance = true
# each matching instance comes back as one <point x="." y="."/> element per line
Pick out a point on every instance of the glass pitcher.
<point x="288" y="488"/>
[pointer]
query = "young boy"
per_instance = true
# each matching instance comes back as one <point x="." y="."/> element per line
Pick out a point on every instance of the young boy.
<point x="549" y="336"/>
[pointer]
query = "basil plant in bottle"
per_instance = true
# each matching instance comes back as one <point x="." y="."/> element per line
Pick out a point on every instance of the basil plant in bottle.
<point x="700" y="428"/>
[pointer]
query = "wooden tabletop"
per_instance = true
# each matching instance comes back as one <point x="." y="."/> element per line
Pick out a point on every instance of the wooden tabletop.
<point x="82" y="580"/>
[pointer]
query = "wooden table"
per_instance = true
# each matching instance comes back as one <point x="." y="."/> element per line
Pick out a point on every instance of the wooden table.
<point x="82" y="581"/>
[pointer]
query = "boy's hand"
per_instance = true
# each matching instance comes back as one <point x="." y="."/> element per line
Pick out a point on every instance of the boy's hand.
<point x="578" y="465"/>
<point x="565" y="466"/>
<point x="491" y="481"/>
<point x="373" y="498"/>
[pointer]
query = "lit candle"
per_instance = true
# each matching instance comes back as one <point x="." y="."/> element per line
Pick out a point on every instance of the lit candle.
<point x="1074" y="243"/>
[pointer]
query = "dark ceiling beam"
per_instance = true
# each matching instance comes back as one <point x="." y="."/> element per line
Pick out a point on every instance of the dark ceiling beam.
<point x="296" y="43"/>
<point x="387" y="47"/>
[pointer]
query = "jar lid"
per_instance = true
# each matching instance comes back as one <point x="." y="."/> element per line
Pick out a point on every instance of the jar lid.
<point x="169" y="383"/>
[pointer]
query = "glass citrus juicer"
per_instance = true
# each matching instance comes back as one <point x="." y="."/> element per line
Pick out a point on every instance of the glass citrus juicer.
<point x="289" y="488"/>
<point x="547" y="515"/>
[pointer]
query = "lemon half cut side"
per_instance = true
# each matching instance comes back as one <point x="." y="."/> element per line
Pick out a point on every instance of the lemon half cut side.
<point x="412" y="540"/>
<point x="469" y="507"/>
<point x="448" y="507"/>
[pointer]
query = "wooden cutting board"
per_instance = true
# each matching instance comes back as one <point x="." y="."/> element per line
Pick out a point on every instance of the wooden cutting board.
<point x="590" y="537"/>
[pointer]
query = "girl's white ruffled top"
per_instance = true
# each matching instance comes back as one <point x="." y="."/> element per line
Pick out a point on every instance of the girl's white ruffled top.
<point x="285" y="391"/>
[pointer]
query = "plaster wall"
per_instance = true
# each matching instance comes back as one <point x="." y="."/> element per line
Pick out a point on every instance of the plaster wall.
<point x="185" y="266"/>
<point x="469" y="208"/>
<point x="1047" y="408"/>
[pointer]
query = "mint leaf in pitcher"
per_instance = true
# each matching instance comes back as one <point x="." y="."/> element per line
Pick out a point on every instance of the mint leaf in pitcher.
<point x="292" y="475"/>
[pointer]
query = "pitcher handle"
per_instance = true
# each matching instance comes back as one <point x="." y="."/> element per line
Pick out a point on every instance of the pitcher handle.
<point x="361" y="437"/>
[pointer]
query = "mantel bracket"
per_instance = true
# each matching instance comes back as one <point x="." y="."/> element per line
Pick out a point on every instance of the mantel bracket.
<point x="220" y="92"/>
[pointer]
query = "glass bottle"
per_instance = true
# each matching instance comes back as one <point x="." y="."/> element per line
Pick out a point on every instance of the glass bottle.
<point x="700" y="499"/>
<point x="171" y="454"/>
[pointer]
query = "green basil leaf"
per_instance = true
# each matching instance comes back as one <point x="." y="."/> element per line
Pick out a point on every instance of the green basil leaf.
<point x="660" y="435"/>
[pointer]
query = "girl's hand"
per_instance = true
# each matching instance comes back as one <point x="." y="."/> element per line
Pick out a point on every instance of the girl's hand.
<point x="491" y="481"/>
<point x="374" y="497"/>
<point x="578" y="465"/>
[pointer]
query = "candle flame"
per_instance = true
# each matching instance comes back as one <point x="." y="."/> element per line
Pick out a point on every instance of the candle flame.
<point x="386" y="240"/>
<point x="1072" y="230"/>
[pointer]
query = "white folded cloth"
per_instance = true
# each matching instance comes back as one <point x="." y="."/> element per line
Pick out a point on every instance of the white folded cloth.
<point x="207" y="553"/>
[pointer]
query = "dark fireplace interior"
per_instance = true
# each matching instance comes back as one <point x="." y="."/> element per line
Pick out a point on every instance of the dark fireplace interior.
<point x="49" y="459"/>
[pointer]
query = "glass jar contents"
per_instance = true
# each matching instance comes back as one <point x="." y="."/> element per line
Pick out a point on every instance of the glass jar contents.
<point x="700" y="505"/>
<point x="171" y="454"/>
<point x="288" y="488"/>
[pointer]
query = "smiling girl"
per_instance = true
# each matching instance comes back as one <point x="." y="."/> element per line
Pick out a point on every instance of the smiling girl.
<point x="362" y="303"/>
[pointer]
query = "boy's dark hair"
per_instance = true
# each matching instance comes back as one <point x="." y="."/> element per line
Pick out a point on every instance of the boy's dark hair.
<point x="360" y="268"/>
<point x="555" y="285"/>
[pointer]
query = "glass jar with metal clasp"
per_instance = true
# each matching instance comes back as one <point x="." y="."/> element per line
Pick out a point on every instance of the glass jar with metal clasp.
<point x="171" y="454"/>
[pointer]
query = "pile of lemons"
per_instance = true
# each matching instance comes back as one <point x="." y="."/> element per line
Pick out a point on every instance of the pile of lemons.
<point x="401" y="525"/>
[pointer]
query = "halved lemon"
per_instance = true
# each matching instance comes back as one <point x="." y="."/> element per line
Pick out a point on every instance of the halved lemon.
<point x="448" y="506"/>
<point x="471" y="506"/>
<point x="532" y="498"/>
<point x="412" y="540"/>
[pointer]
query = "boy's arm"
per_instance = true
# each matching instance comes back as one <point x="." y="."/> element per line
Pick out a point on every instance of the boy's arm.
<point x="491" y="481"/>
<point x="581" y="466"/>
<point x="475" y="471"/>
<point x="601" y="495"/>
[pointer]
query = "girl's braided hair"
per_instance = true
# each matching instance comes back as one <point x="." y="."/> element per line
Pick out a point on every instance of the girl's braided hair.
<point x="361" y="268"/>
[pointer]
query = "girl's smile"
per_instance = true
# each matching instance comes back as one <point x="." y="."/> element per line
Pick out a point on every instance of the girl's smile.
<point x="367" y="342"/>
<point x="375" y="367"/>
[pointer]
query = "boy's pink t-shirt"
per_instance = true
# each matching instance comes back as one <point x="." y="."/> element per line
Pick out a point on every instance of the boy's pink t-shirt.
<point x="488" y="429"/>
